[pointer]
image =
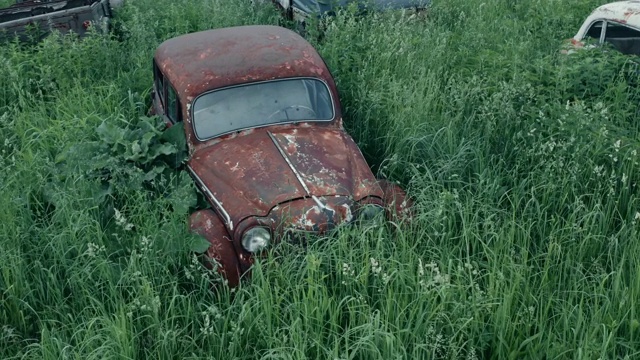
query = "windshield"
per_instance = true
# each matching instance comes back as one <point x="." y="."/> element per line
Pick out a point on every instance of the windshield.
<point x="260" y="104"/>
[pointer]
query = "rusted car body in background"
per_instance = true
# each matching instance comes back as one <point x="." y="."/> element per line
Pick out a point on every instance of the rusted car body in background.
<point x="267" y="147"/>
<point x="617" y="23"/>
<point x="35" y="19"/>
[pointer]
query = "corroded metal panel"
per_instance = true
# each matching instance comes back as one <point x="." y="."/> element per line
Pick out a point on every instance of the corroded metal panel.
<point x="252" y="174"/>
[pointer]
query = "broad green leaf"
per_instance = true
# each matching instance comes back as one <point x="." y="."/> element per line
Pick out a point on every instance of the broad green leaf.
<point x="175" y="136"/>
<point x="153" y="173"/>
<point x="162" y="149"/>
<point x="198" y="244"/>
<point x="110" y="133"/>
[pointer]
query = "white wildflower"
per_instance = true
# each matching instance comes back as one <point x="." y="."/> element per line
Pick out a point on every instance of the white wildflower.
<point x="472" y="354"/>
<point x="145" y="244"/>
<point x="386" y="278"/>
<point x="375" y="266"/>
<point x="121" y="220"/>
<point x="616" y="145"/>
<point x="94" y="249"/>
<point x="599" y="170"/>
<point x="441" y="279"/>
<point x="347" y="271"/>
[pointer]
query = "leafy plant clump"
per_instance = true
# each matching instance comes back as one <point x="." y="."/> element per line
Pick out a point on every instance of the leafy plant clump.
<point x="139" y="154"/>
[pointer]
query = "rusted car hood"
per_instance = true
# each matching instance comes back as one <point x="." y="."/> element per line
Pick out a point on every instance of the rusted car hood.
<point x="251" y="174"/>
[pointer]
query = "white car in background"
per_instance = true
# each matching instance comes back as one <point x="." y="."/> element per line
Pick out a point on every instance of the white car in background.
<point x="616" y="23"/>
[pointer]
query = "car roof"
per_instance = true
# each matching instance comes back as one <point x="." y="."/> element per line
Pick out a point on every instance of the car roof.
<point x="202" y="61"/>
<point x="625" y="12"/>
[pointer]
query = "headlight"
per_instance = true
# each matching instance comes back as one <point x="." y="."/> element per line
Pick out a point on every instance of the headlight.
<point x="256" y="239"/>
<point x="369" y="212"/>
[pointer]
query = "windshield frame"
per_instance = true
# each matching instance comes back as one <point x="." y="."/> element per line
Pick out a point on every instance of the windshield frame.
<point x="192" y="106"/>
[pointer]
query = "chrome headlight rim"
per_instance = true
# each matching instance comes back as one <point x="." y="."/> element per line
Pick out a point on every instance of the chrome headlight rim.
<point x="256" y="239"/>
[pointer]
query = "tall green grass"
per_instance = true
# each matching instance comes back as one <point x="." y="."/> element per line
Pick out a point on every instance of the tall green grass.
<point x="523" y="164"/>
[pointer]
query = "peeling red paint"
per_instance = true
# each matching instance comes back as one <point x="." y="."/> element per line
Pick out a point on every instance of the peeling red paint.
<point x="576" y="43"/>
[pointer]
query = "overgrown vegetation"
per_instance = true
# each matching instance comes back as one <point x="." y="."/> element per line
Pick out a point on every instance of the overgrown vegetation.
<point x="523" y="163"/>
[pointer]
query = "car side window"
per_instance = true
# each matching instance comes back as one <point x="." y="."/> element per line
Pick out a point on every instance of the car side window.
<point x="623" y="38"/>
<point x="173" y="110"/>
<point x="159" y="82"/>
<point x="595" y="30"/>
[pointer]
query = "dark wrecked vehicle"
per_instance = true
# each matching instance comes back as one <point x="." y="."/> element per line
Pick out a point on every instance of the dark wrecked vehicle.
<point x="266" y="142"/>
<point x="301" y="10"/>
<point x="34" y="19"/>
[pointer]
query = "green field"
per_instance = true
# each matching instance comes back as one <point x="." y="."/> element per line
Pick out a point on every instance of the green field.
<point x="523" y="164"/>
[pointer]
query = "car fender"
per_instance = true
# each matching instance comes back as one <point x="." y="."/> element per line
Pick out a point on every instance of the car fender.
<point x="221" y="254"/>
<point x="398" y="205"/>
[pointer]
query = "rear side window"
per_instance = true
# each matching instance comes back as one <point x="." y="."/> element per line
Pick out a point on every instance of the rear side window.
<point x="623" y="38"/>
<point x="173" y="110"/>
<point x="159" y="83"/>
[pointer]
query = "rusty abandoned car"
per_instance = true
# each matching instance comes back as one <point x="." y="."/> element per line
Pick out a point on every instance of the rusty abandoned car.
<point x="616" y="23"/>
<point x="267" y="148"/>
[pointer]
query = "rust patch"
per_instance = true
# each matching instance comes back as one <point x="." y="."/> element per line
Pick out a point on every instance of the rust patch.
<point x="247" y="174"/>
<point x="576" y="43"/>
<point x="252" y="173"/>
<point x="328" y="161"/>
<point x="316" y="215"/>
